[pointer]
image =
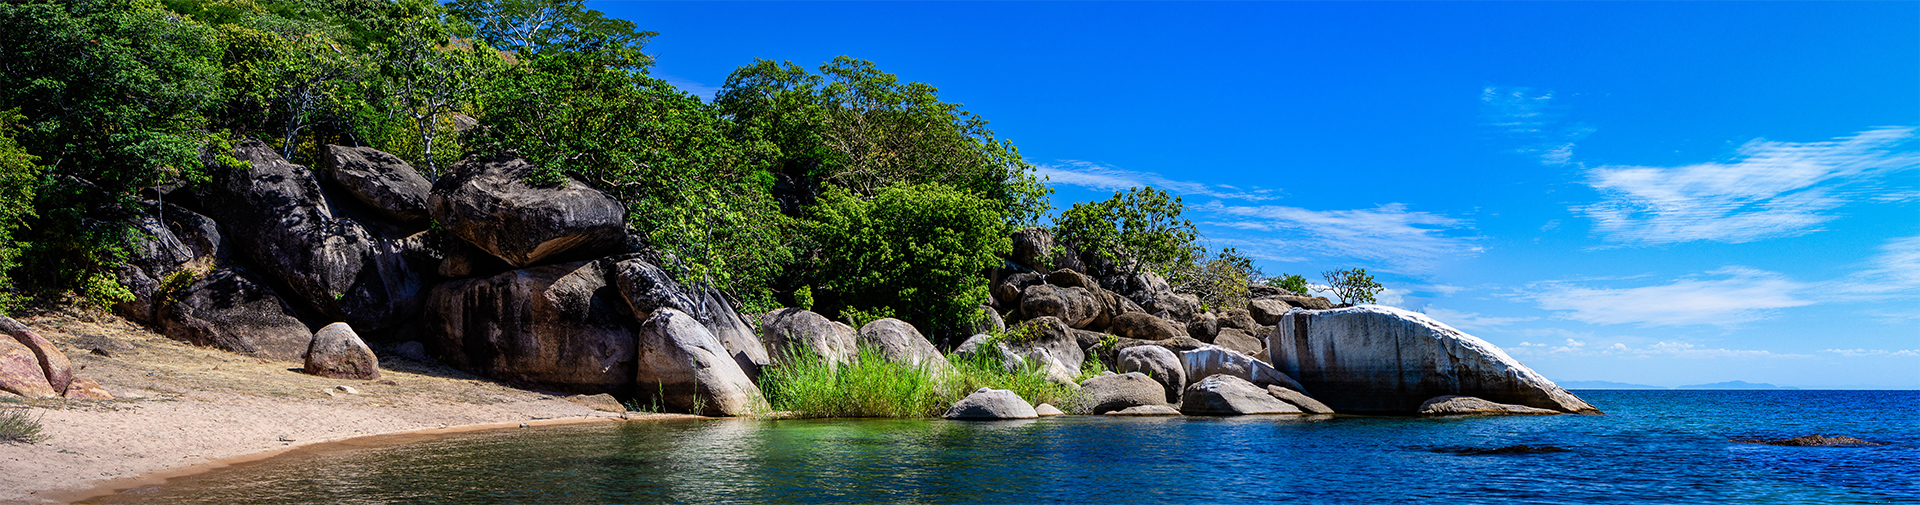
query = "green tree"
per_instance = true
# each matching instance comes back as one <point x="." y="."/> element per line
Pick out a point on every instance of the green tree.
<point x="18" y="176"/>
<point x="1290" y="282"/>
<point x="1351" y="286"/>
<point x="859" y="128"/>
<point x="529" y="28"/>
<point x="1220" y="282"/>
<point x="1139" y="231"/>
<point x="913" y="251"/>
<point x="115" y="94"/>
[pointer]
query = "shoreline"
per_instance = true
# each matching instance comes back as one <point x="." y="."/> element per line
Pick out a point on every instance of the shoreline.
<point x="180" y="410"/>
<point x="114" y="486"/>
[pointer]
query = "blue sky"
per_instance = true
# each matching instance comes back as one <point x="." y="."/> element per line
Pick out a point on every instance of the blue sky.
<point x="1649" y="192"/>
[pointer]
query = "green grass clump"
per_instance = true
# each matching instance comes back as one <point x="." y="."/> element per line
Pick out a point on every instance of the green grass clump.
<point x="16" y="426"/>
<point x="875" y="387"/>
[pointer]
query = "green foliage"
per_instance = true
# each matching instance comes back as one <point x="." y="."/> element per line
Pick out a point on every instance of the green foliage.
<point x="1289" y="282"/>
<point x="916" y="250"/>
<point x="529" y="28"/>
<point x="1139" y="230"/>
<point x="803" y="297"/>
<point x="871" y="386"/>
<point x="1352" y="286"/>
<point x="1219" y="282"/>
<point x="17" y="427"/>
<point x="18" y="177"/>
<point x="856" y="127"/>
<point x="171" y="286"/>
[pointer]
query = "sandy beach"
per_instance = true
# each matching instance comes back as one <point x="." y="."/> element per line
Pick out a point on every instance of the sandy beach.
<point x="181" y="408"/>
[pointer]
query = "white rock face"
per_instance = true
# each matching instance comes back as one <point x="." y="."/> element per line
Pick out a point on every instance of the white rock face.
<point x="1215" y="360"/>
<point x="1372" y="358"/>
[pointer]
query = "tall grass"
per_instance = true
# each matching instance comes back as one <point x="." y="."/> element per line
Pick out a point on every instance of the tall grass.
<point x="15" y="426"/>
<point x="871" y="386"/>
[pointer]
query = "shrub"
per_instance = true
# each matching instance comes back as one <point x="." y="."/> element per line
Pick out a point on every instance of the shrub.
<point x="1352" y="286"/>
<point x="1139" y="230"/>
<point x="914" y="251"/>
<point x="1290" y="282"/>
<point x="16" y="426"/>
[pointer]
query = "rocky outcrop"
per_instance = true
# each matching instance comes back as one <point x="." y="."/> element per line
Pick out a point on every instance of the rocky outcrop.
<point x="1049" y="337"/>
<point x="1267" y="311"/>
<point x="991" y="404"/>
<point x="1240" y="341"/>
<point x="490" y="202"/>
<point x="1239" y="319"/>
<point x="231" y="310"/>
<point x="562" y="326"/>
<point x="1467" y="405"/>
<point x="172" y="239"/>
<point x="1139" y="325"/>
<point x="1070" y="279"/>
<point x="20" y="371"/>
<point x="899" y="342"/>
<point x="1159" y="364"/>
<point x="338" y="353"/>
<point x="1204" y="327"/>
<point x="1371" y="358"/>
<point x="380" y="180"/>
<point x="1301" y="400"/>
<point x="1075" y="306"/>
<point x="1810" y="441"/>
<point x="801" y="334"/>
<point x="1226" y="395"/>
<point x="1213" y="360"/>
<point x="687" y="366"/>
<point x="1012" y="358"/>
<point x="342" y="266"/>
<point x="1107" y="393"/>
<point x="1033" y="248"/>
<point x="54" y="365"/>
<point x="647" y="288"/>
<point x="726" y="324"/>
<point x="1008" y="291"/>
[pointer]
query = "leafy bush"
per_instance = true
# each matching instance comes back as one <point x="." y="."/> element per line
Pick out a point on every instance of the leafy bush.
<point x="1352" y="286"/>
<point x="1139" y="230"/>
<point x="18" y="176"/>
<point x="16" y="426"/>
<point x="1290" y="282"/>
<point x="915" y="251"/>
<point x="1220" y="282"/>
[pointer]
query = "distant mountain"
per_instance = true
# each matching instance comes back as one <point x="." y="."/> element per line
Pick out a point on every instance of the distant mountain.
<point x="1735" y="385"/>
<point x="1604" y="385"/>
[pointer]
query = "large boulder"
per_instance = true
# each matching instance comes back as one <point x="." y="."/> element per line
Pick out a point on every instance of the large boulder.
<point x="1075" y="306"/>
<point x="1298" y="399"/>
<point x="1017" y="358"/>
<point x="1239" y="319"/>
<point x="561" y="326"/>
<point x="1233" y="338"/>
<point x="1158" y="363"/>
<point x="171" y="239"/>
<point x="899" y="342"/>
<point x="58" y="370"/>
<point x="1140" y="325"/>
<point x="717" y="314"/>
<point x="1107" y="393"/>
<point x="1214" y="360"/>
<point x="680" y="360"/>
<point x="490" y="202"/>
<point x="1300" y="300"/>
<point x="646" y="288"/>
<point x="338" y="353"/>
<point x="230" y="309"/>
<point x="1451" y="405"/>
<point x="991" y="404"/>
<point x="1226" y="395"/>
<point x="1070" y="279"/>
<point x="1372" y="358"/>
<point x="1203" y="327"/>
<point x="1049" y="337"/>
<point x="20" y="371"/>
<point x="1008" y="290"/>
<point x="802" y="334"/>
<point x="1033" y="248"/>
<point x="343" y="266"/>
<point x="1267" y="311"/>
<point x="379" y="180"/>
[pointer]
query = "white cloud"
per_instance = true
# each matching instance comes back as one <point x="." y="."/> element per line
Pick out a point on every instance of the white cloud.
<point x="1855" y="353"/>
<point x="1471" y="320"/>
<point x="1579" y="348"/>
<point x="1726" y="296"/>
<point x="1094" y="175"/>
<point x="1771" y="189"/>
<point x="1533" y="118"/>
<point x="1389" y="234"/>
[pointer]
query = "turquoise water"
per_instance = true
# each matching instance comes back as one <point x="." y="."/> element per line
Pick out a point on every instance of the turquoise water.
<point x="1651" y="447"/>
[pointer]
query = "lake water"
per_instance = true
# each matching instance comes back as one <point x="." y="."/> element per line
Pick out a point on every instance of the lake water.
<point x="1650" y="447"/>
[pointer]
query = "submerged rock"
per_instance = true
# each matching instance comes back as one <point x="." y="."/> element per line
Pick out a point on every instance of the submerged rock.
<point x="1503" y="451"/>
<point x="1146" y="410"/>
<point x="1809" y="441"/>
<point x="1467" y="405"/>
<point x="990" y="404"/>
<point x="1372" y="358"/>
<point x="1305" y="403"/>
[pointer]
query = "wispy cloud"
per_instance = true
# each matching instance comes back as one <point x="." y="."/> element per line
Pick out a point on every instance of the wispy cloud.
<point x="1389" y="234"/>
<point x="1855" y="353"/>
<point x="1097" y="176"/>
<point x="1533" y="118"/>
<point x="1770" y="189"/>
<point x="1727" y="296"/>
<point x="1470" y="320"/>
<point x="1580" y="348"/>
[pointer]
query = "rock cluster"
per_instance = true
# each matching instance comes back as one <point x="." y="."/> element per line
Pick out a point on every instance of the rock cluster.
<point x="33" y="367"/>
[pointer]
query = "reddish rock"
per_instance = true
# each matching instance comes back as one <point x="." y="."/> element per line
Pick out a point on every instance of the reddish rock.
<point x="20" y="371"/>
<point x="83" y="388"/>
<point x="53" y="363"/>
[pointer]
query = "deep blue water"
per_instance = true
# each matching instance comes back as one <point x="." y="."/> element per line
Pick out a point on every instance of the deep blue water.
<point x="1650" y="447"/>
